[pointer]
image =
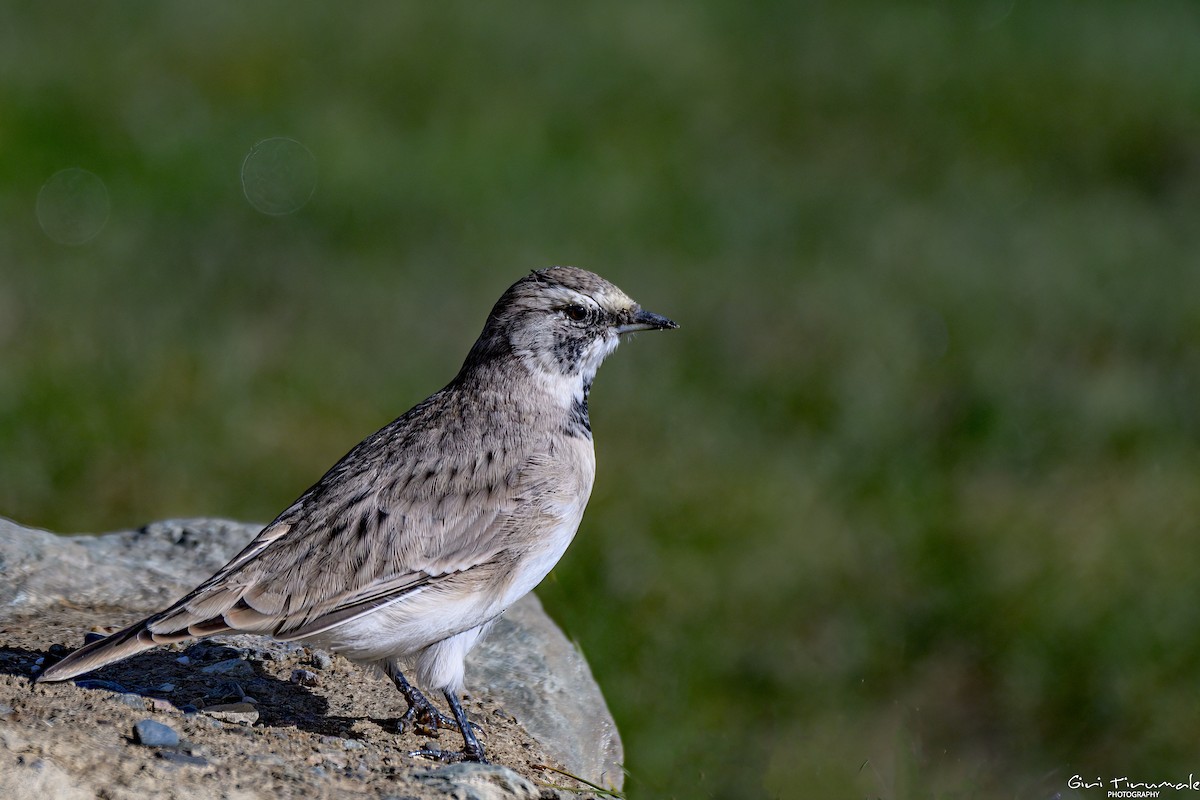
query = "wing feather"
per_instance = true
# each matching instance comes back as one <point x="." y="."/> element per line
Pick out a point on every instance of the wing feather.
<point x="397" y="514"/>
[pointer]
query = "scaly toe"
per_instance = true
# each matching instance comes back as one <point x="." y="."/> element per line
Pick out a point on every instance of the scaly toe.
<point x="449" y="756"/>
<point x="426" y="721"/>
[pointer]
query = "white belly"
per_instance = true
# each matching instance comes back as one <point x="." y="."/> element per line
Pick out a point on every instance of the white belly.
<point x="448" y="606"/>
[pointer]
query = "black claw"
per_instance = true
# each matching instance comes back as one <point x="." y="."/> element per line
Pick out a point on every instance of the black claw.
<point x="425" y="718"/>
<point x="422" y="715"/>
<point x="450" y="756"/>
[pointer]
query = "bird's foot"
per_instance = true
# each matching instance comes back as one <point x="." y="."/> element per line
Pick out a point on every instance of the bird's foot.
<point x="422" y="715"/>
<point x="425" y="718"/>
<point x="450" y="756"/>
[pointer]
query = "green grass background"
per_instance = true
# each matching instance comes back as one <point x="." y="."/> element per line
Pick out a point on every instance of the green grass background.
<point x="907" y="508"/>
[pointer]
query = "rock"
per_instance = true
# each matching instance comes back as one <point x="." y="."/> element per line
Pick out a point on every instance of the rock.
<point x="304" y="677"/>
<point x="55" y="588"/>
<point x="231" y="667"/>
<point x="135" y="701"/>
<point x="176" y="757"/>
<point x="245" y="713"/>
<point x="155" y="734"/>
<point x="479" y="782"/>
<point x="226" y="692"/>
<point x="544" y="681"/>
<point x="139" y="570"/>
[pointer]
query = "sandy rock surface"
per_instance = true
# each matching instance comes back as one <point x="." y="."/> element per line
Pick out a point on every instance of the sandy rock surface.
<point x="246" y="717"/>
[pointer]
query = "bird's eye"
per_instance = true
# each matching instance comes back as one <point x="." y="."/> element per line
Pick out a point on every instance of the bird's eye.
<point x="575" y="313"/>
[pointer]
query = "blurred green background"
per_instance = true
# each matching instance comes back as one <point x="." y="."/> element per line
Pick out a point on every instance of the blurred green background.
<point x="905" y="509"/>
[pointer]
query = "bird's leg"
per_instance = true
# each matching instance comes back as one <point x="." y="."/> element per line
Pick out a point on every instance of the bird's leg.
<point x="472" y="749"/>
<point x="422" y="715"/>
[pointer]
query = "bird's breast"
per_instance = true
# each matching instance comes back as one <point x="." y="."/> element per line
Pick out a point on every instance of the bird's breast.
<point x="559" y="482"/>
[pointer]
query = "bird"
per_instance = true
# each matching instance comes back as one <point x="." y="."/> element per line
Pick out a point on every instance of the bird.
<point x="412" y="545"/>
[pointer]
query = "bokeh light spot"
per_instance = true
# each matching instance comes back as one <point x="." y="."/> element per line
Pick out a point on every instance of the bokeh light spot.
<point x="72" y="206"/>
<point x="279" y="176"/>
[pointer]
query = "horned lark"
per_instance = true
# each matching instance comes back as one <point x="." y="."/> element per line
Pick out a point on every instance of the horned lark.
<point x="411" y="546"/>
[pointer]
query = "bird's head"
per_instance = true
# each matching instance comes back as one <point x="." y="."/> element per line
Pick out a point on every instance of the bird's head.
<point x="561" y="323"/>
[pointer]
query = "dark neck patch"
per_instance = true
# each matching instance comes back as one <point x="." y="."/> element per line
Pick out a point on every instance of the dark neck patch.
<point x="567" y="352"/>
<point x="578" y="423"/>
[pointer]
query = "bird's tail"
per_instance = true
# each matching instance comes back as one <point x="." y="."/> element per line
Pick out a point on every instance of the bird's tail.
<point x="122" y="644"/>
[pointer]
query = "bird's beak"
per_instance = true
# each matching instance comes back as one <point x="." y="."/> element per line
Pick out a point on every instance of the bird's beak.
<point x="643" y="320"/>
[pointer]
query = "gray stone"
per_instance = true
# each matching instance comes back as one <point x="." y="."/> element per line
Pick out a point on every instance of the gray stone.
<point x="244" y="713"/>
<point x="232" y="667"/>
<point x="134" y="701"/>
<point x="155" y="734"/>
<point x="304" y="677"/>
<point x="479" y="782"/>
<point x="543" y="680"/>
<point x="141" y="570"/>
<point x="175" y="757"/>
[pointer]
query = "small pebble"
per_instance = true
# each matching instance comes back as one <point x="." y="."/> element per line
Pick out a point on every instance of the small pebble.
<point x="305" y="677"/>
<point x="226" y="691"/>
<point x="212" y="651"/>
<point x="234" y="667"/>
<point x="268" y="654"/>
<point x="132" y="700"/>
<point x="7" y="712"/>
<point x="243" y="713"/>
<point x="59" y="650"/>
<point x="155" y="734"/>
<point x="166" y="688"/>
<point x="176" y="757"/>
<point x="183" y="660"/>
<point x="352" y="744"/>
<point x="321" y="659"/>
<point x="92" y="636"/>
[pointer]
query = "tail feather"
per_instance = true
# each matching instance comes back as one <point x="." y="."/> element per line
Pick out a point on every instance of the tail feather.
<point x="120" y="645"/>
